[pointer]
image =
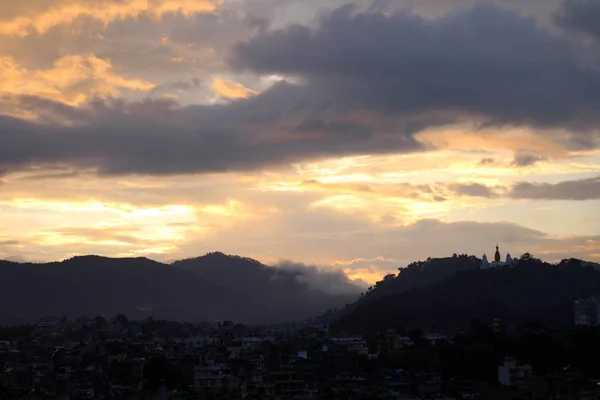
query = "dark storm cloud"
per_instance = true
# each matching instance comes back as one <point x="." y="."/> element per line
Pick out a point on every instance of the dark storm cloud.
<point x="370" y="80"/>
<point x="486" y="61"/>
<point x="582" y="16"/>
<point x="155" y="137"/>
<point x="318" y="125"/>
<point x="585" y="189"/>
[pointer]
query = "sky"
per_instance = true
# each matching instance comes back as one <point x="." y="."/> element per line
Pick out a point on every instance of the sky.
<point x="354" y="137"/>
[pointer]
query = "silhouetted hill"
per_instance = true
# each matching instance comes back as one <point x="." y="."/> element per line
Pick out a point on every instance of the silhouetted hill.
<point x="93" y="285"/>
<point x="279" y="290"/>
<point x="416" y="275"/>
<point x="96" y="285"/>
<point x="531" y="291"/>
<point x="422" y="273"/>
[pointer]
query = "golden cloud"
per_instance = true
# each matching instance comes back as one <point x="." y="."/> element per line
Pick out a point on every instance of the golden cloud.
<point x="231" y="90"/>
<point x="72" y="80"/>
<point x="40" y="20"/>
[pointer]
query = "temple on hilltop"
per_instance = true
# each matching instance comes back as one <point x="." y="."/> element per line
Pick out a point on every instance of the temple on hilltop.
<point x="485" y="264"/>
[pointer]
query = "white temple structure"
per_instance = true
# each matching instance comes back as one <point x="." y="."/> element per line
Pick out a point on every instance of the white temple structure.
<point x="485" y="264"/>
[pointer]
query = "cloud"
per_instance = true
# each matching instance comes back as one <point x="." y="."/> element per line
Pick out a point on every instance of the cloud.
<point x="10" y="243"/>
<point x="526" y="160"/>
<point x="437" y="191"/>
<point x="473" y="190"/>
<point x="578" y="190"/>
<point x="156" y="137"/>
<point x="585" y="189"/>
<point x="39" y="17"/>
<point x="231" y="90"/>
<point x="432" y="238"/>
<point x="365" y="84"/>
<point x="213" y="222"/>
<point x="484" y="61"/>
<point x="323" y="279"/>
<point x="72" y="80"/>
<point x="108" y="236"/>
<point x="581" y="16"/>
<point x="486" y="161"/>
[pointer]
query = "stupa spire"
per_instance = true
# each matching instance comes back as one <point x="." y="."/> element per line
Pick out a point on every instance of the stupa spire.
<point x="497" y="255"/>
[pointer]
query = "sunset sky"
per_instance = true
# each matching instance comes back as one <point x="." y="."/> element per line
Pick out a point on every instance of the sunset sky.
<point x="353" y="137"/>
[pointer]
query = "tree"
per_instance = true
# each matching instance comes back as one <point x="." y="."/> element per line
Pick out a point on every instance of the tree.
<point x="122" y="319"/>
<point x="99" y="322"/>
<point x="526" y="257"/>
<point x="389" y="277"/>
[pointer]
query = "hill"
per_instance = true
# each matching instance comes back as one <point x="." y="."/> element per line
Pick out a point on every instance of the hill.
<point x="281" y="291"/>
<point x="417" y="274"/>
<point x="420" y="274"/>
<point x="139" y="287"/>
<point x="530" y="291"/>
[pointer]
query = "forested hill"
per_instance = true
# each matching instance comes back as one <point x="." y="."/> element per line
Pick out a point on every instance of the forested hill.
<point x="212" y="287"/>
<point x="530" y="291"/>
<point x="422" y="273"/>
<point x="416" y="275"/>
<point x="286" y="293"/>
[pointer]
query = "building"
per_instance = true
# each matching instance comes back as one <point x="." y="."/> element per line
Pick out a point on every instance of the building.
<point x="511" y="373"/>
<point x="587" y="311"/>
<point x="46" y="325"/>
<point x="212" y="377"/>
<point x="356" y="345"/>
<point x="485" y="264"/>
<point x="498" y="326"/>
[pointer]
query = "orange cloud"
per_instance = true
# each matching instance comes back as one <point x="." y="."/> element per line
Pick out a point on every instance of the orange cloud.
<point x="72" y="80"/>
<point x="231" y="90"/>
<point x="41" y="20"/>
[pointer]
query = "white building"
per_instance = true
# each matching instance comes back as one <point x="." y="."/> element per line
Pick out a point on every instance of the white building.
<point x="587" y="311"/>
<point x="485" y="264"/>
<point x="510" y="373"/>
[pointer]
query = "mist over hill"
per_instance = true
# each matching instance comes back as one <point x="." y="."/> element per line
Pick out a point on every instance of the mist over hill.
<point x="212" y="287"/>
<point x="288" y="288"/>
